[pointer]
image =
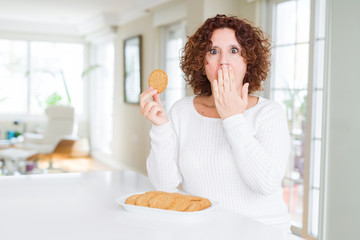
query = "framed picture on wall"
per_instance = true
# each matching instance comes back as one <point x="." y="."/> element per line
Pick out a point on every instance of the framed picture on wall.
<point x="132" y="69"/>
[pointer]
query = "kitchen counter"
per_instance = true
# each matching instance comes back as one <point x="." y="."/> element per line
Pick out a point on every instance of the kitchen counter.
<point x="83" y="206"/>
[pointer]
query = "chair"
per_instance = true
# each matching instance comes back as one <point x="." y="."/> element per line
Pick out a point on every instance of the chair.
<point x="58" y="138"/>
<point x="60" y="125"/>
<point x="63" y="149"/>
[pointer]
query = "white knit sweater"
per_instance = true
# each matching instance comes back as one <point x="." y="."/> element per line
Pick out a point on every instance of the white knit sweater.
<point x="238" y="162"/>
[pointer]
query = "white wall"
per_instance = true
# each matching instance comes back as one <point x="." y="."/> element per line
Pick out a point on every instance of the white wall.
<point x="130" y="127"/>
<point x="213" y="7"/>
<point x="343" y="194"/>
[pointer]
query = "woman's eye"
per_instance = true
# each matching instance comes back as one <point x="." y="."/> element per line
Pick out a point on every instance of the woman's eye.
<point x="213" y="51"/>
<point x="234" y="50"/>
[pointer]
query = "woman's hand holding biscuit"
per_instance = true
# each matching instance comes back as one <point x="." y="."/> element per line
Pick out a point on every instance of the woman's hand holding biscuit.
<point x="230" y="99"/>
<point x="152" y="109"/>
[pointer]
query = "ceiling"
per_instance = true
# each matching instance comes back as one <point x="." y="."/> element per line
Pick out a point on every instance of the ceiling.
<point x="70" y="13"/>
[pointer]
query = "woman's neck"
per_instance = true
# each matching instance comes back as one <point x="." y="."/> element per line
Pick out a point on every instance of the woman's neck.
<point x="209" y="101"/>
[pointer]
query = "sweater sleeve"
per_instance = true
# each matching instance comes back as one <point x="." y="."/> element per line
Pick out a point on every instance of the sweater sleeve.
<point x="261" y="158"/>
<point x="162" y="162"/>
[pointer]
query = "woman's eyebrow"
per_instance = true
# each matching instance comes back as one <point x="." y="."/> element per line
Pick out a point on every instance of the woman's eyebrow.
<point x="235" y="46"/>
<point x="230" y="46"/>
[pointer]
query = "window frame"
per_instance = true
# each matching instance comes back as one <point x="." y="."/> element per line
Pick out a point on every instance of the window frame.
<point x="98" y="151"/>
<point x="163" y="60"/>
<point x="310" y="114"/>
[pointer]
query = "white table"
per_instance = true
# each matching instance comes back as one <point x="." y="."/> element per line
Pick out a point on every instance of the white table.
<point x="83" y="206"/>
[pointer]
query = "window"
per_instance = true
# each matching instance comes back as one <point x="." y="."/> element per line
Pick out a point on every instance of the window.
<point x="14" y="85"/>
<point x="174" y="38"/>
<point x="55" y="69"/>
<point x="298" y="36"/>
<point x="101" y="99"/>
<point x="316" y="134"/>
<point x="35" y="74"/>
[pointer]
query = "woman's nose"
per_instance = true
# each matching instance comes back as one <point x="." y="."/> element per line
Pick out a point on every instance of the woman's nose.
<point x="224" y="59"/>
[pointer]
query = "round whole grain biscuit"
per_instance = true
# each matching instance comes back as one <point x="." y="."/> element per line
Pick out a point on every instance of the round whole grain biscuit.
<point x="205" y="203"/>
<point x="193" y="206"/>
<point x="181" y="202"/>
<point x="162" y="201"/>
<point x="192" y="197"/>
<point x="144" y="198"/>
<point x="158" y="80"/>
<point x="201" y="203"/>
<point x="131" y="200"/>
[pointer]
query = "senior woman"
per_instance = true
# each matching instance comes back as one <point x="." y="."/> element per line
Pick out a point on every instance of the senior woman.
<point x="224" y="143"/>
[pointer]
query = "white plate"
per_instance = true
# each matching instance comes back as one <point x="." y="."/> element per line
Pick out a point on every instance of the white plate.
<point x="160" y="212"/>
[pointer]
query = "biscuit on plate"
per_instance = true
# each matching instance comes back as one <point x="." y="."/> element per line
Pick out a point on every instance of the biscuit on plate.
<point x="132" y="199"/>
<point x="144" y="198"/>
<point x="158" y="80"/>
<point x="169" y="201"/>
<point x="192" y="197"/>
<point x="162" y="201"/>
<point x="193" y="206"/>
<point x="205" y="203"/>
<point x="197" y="203"/>
<point x="181" y="203"/>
